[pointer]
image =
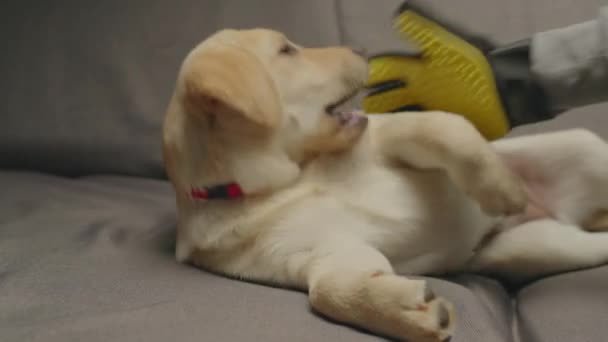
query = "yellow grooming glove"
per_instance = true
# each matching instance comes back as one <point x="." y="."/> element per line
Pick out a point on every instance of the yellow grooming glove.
<point x="450" y="74"/>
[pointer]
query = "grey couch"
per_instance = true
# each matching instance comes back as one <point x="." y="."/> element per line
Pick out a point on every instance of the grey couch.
<point x="87" y="217"/>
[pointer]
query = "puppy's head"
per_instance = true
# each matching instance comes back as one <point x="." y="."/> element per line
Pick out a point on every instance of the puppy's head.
<point x="250" y="107"/>
<point x="253" y="86"/>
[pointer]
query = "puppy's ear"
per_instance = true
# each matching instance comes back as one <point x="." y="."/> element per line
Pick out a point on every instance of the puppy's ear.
<point x="230" y="81"/>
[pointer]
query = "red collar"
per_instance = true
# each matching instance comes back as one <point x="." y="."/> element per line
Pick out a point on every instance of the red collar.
<point x="221" y="191"/>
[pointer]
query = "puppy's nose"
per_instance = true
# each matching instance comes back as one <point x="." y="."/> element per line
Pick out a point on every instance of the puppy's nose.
<point x="359" y="51"/>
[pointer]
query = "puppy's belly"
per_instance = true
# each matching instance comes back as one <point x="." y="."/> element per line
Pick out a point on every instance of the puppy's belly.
<point x="538" y="187"/>
<point x="419" y="220"/>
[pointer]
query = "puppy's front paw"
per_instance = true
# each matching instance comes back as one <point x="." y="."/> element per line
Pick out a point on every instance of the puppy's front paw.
<point x="408" y="309"/>
<point x="498" y="191"/>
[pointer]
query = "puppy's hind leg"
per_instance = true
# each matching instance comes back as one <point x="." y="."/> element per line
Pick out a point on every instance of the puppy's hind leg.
<point x="566" y="172"/>
<point x="354" y="284"/>
<point x="540" y="248"/>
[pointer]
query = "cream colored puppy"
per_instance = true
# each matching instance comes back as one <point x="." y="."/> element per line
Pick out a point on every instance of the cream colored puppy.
<point x="274" y="182"/>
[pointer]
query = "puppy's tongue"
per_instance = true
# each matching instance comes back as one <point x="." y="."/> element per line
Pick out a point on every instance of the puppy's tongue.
<point x="351" y="117"/>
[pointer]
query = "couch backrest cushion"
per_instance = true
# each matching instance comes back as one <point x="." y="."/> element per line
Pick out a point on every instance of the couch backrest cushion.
<point x="85" y="84"/>
<point x="367" y="24"/>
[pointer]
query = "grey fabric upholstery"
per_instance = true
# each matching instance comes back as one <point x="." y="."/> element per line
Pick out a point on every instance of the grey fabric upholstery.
<point x="84" y="87"/>
<point x="565" y="308"/>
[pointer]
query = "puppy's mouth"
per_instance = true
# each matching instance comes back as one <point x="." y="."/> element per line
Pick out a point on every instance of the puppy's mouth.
<point x="344" y="111"/>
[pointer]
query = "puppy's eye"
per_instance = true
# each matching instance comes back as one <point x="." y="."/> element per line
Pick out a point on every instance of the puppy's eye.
<point x="288" y="49"/>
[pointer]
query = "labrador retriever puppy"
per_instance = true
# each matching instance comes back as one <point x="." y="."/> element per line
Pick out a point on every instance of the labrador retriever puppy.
<point x="276" y="181"/>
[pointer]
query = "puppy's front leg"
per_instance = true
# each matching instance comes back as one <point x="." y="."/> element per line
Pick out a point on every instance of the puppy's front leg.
<point x="448" y="142"/>
<point x="355" y="284"/>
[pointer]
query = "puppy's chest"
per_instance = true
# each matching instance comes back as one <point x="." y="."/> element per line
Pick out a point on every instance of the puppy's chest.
<point x="394" y="194"/>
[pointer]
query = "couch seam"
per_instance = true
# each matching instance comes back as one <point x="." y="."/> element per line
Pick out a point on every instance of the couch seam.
<point x="339" y="22"/>
<point x="515" y="333"/>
